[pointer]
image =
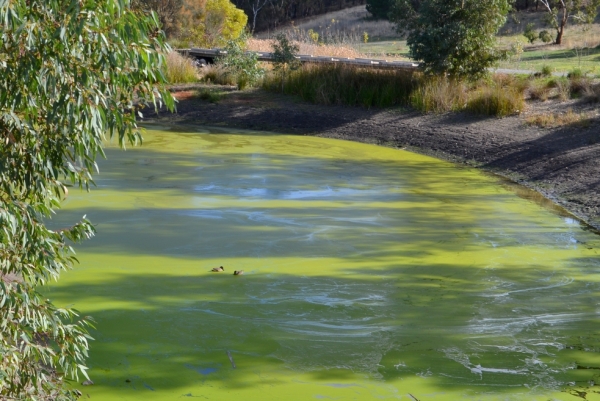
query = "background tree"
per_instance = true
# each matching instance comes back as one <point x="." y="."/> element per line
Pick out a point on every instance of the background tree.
<point x="167" y="10"/>
<point x="279" y="12"/>
<point x="257" y="5"/>
<point x="380" y="8"/>
<point x="211" y="23"/>
<point x="69" y="73"/>
<point x="560" y="11"/>
<point x="454" y="37"/>
<point x="530" y="33"/>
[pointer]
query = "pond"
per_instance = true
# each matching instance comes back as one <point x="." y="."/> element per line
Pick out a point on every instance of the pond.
<point x="370" y="273"/>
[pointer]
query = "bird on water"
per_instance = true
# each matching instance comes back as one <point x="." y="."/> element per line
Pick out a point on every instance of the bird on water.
<point x="238" y="272"/>
<point x="218" y="269"/>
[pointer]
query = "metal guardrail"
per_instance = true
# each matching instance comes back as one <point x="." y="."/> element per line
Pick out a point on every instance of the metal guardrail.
<point x="209" y="55"/>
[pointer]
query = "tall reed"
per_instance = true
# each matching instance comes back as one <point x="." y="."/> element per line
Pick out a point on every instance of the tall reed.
<point x="180" y="69"/>
<point x="348" y="85"/>
<point x="333" y="84"/>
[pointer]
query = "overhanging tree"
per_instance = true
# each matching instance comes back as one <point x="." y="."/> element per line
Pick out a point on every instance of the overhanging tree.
<point x="71" y="73"/>
<point x="560" y="11"/>
<point x="454" y="37"/>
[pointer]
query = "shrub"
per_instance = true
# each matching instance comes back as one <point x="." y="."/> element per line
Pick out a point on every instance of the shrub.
<point x="455" y="37"/>
<point x="580" y="86"/>
<point x="540" y="90"/>
<point x="563" y="87"/>
<point x="180" y="69"/>
<point x="546" y="71"/>
<point x="575" y="73"/>
<point x="243" y="66"/>
<point x="545" y="36"/>
<point x="530" y="33"/>
<point x="496" y="101"/>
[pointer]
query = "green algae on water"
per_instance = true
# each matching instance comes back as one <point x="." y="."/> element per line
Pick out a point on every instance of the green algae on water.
<point x="370" y="273"/>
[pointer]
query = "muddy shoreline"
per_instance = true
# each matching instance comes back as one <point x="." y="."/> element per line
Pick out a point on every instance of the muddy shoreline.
<point x="562" y="164"/>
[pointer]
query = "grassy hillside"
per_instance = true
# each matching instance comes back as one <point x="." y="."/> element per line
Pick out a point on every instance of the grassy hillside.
<point x="580" y="48"/>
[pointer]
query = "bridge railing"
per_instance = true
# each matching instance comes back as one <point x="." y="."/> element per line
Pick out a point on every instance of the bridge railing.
<point x="209" y="56"/>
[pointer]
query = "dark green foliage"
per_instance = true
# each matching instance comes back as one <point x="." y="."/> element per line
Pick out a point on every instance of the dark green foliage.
<point x="380" y="8"/>
<point x="71" y="73"/>
<point x="454" y="37"/>
<point x="546" y="71"/>
<point x="530" y="33"/>
<point x="545" y="36"/>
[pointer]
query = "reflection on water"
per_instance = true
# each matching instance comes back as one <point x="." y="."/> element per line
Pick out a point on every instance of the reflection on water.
<point x="370" y="273"/>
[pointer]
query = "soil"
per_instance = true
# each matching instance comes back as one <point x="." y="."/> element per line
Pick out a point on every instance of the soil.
<point x="561" y="163"/>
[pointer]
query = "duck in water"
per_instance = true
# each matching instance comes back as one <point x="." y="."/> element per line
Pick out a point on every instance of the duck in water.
<point x="218" y="269"/>
<point x="238" y="272"/>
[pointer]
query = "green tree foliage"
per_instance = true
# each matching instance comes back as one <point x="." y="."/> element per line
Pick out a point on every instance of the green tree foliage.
<point x="454" y="37"/>
<point x="211" y="23"/>
<point x="530" y="33"/>
<point x="167" y="11"/>
<point x="241" y="64"/>
<point x="545" y="36"/>
<point x="559" y="12"/>
<point x="380" y="8"/>
<point x="284" y="57"/>
<point x="69" y="73"/>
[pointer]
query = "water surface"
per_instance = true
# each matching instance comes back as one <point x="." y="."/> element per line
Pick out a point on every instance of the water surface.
<point x="370" y="273"/>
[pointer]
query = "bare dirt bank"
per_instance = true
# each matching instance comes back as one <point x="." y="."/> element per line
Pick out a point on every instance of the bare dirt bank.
<point x="562" y="163"/>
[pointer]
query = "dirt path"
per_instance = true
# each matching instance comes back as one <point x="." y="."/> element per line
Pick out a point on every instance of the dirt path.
<point x="561" y="163"/>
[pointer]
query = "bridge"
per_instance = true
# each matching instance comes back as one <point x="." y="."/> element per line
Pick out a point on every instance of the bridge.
<point x="208" y="56"/>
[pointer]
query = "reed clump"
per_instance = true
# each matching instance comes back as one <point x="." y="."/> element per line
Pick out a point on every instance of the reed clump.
<point x="355" y="86"/>
<point x="496" y="100"/>
<point x="439" y="95"/>
<point x="180" y="69"/>
<point x="345" y="85"/>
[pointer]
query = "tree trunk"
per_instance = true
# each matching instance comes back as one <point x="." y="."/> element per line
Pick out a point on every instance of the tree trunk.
<point x="561" y="28"/>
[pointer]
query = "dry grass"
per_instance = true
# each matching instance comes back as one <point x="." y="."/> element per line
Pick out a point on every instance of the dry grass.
<point x="553" y="120"/>
<point x="214" y="74"/>
<point x="540" y="90"/>
<point x="496" y="100"/>
<point x="266" y="45"/>
<point x="180" y="69"/>
<point x="439" y="95"/>
<point x="343" y="26"/>
<point x="344" y="84"/>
